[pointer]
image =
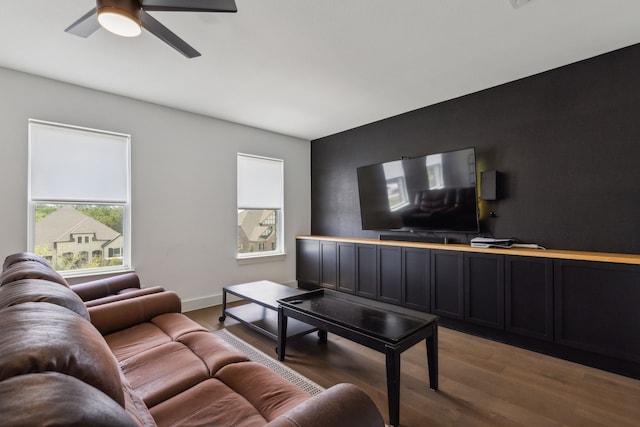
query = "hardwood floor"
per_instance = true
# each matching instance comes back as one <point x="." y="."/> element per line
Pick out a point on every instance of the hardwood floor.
<point x="482" y="383"/>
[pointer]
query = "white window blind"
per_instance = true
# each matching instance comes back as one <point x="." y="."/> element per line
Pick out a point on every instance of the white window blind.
<point x="260" y="183"/>
<point x="68" y="163"/>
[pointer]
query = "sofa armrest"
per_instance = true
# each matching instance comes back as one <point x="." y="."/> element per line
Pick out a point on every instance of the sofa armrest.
<point x="133" y="293"/>
<point x="118" y="315"/>
<point x="341" y="405"/>
<point x="101" y="288"/>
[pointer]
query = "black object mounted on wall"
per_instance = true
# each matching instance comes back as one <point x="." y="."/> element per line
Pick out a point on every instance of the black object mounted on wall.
<point x="491" y="185"/>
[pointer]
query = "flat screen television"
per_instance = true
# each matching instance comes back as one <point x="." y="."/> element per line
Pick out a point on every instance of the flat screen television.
<point x="435" y="192"/>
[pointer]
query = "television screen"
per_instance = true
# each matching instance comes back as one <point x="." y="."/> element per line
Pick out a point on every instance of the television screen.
<point x="436" y="192"/>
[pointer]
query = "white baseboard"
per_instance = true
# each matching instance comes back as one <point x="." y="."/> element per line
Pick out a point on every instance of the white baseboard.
<point x="213" y="300"/>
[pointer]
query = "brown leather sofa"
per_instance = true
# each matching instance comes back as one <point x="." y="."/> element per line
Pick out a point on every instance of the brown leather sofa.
<point x="138" y="362"/>
<point x="114" y="288"/>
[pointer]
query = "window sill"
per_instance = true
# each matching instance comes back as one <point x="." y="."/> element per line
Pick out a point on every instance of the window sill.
<point x="255" y="259"/>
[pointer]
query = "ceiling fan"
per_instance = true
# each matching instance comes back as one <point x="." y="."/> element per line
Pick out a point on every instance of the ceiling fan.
<point x="127" y="18"/>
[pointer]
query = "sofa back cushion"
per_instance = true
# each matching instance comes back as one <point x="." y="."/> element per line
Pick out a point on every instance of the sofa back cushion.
<point x="31" y="270"/>
<point x="36" y="290"/>
<point x="58" y="400"/>
<point x="43" y="337"/>
<point x="23" y="256"/>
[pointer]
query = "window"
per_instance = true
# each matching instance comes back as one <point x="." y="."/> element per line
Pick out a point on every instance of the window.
<point x="260" y="202"/>
<point x="396" y="186"/>
<point x="79" y="198"/>
<point x="114" y="252"/>
<point x="434" y="171"/>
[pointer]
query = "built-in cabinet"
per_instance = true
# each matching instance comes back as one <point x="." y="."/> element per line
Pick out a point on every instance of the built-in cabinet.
<point x="528" y="296"/>
<point x="587" y="305"/>
<point x="328" y="264"/>
<point x="484" y="289"/>
<point x="308" y="262"/>
<point x="366" y="271"/>
<point x="390" y="274"/>
<point x="597" y="307"/>
<point x="346" y="267"/>
<point x="447" y="284"/>
<point x="414" y="272"/>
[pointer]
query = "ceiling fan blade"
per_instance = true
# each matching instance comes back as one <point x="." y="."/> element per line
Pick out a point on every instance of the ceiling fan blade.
<point x="86" y="25"/>
<point x="190" y="5"/>
<point x="166" y="35"/>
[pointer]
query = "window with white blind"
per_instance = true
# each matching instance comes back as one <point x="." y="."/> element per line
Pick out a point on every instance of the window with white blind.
<point x="260" y="206"/>
<point x="79" y="196"/>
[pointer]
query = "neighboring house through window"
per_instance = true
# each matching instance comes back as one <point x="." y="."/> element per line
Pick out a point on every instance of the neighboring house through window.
<point x="79" y="198"/>
<point x="260" y="202"/>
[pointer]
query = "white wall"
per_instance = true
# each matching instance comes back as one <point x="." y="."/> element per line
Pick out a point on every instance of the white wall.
<point x="183" y="183"/>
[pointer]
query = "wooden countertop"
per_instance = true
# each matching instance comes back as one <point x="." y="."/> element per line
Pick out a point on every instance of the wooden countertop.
<point x="542" y="253"/>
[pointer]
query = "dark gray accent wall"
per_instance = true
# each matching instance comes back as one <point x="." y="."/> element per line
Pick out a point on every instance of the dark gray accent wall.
<point x="567" y="142"/>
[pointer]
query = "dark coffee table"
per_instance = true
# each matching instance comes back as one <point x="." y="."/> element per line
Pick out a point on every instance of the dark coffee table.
<point x="261" y="313"/>
<point x="383" y="327"/>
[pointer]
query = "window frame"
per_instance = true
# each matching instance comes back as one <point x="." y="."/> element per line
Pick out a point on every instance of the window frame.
<point x="279" y="214"/>
<point x="125" y="204"/>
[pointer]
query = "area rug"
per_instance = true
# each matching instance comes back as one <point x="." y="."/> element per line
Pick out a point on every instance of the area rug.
<point x="258" y="356"/>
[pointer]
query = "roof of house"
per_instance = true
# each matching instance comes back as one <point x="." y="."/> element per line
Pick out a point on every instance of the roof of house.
<point x="59" y="225"/>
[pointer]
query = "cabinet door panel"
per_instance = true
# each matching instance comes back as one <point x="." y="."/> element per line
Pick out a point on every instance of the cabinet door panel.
<point x="529" y="296"/>
<point x="366" y="271"/>
<point x="415" y="279"/>
<point x="308" y="262"/>
<point x="447" y="283"/>
<point x="390" y="274"/>
<point x="328" y="264"/>
<point x="597" y="307"/>
<point x="346" y="267"/>
<point x="484" y="289"/>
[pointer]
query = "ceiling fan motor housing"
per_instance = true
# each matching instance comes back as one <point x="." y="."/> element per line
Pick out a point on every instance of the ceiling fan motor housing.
<point x="129" y="8"/>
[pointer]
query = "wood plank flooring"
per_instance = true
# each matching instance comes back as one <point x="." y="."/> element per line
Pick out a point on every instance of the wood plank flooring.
<point x="482" y="383"/>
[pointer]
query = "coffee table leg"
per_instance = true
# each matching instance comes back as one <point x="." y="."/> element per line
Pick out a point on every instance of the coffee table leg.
<point x="224" y="306"/>
<point x="322" y="335"/>
<point x="282" y="333"/>
<point x="432" y="357"/>
<point x="393" y="385"/>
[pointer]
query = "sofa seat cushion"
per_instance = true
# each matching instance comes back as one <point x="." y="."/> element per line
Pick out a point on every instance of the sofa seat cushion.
<point x="57" y="399"/>
<point x="135" y="340"/>
<point x="134" y="405"/>
<point x="210" y="403"/>
<point x="144" y="336"/>
<point x="270" y="394"/>
<point x="176" y="324"/>
<point x="214" y="352"/>
<point x="163" y="371"/>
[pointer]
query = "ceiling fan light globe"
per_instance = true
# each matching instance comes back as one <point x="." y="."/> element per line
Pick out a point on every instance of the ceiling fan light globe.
<point x="118" y="22"/>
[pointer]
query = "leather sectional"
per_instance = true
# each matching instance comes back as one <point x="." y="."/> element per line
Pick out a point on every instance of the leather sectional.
<point x="135" y="360"/>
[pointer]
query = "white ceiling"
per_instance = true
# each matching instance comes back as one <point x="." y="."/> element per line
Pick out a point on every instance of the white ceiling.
<point x="312" y="68"/>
